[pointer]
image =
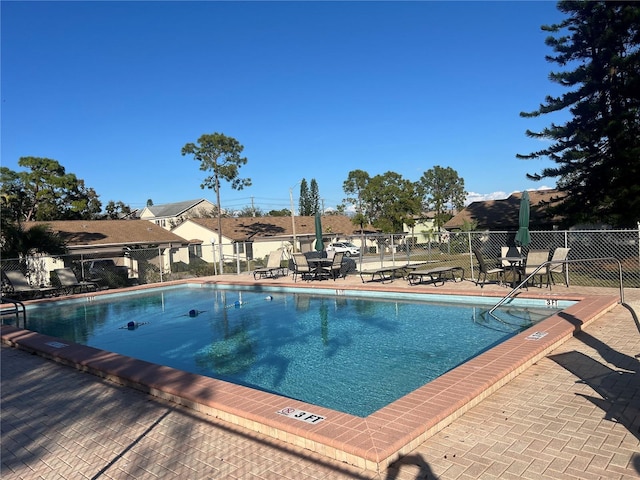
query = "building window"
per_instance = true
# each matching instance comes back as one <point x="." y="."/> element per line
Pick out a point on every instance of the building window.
<point x="195" y="250"/>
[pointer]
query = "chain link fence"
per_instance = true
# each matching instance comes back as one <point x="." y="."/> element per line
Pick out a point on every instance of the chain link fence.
<point x="143" y="266"/>
<point x="594" y="249"/>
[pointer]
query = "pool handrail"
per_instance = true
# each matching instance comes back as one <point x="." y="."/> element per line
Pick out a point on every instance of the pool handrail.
<point x="555" y="262"/>
<point x="17" y="310"/>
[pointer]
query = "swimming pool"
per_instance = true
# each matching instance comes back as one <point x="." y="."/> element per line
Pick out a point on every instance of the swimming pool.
<point x="342" y="350"/>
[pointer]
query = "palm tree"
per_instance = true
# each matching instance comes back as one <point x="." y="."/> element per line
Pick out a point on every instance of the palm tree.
<point x="16" y="242"/>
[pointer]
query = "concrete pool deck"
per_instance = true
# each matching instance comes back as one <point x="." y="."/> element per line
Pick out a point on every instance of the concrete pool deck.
<point x="532" y="429"/>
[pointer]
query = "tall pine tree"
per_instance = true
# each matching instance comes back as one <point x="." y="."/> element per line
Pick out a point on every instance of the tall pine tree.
<point x="314" y="197"/>
<point x="597" y="151"/>
<point x="304" y="205"/>
<point x="309" y="202"/>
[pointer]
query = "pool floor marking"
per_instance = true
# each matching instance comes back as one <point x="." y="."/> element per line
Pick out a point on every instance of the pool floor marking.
<point x="301" y="415"/>
<point x="536" y="335"/>
<point x="57" y="344"/>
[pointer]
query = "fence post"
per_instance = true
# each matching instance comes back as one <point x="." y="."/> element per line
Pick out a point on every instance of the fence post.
<point x="393" y="250"/>
<point x="237" y="244"/>
<point x="473" y="275"/>
<point x="406" y="247"/>
<point x="160" y="262"/>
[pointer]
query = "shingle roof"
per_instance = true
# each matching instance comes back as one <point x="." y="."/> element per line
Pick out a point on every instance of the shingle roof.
<point x="504" y="214"/>
<point x="173" y="209"/>
<point x="106" y="232"/>
<point x="255" y="228"/>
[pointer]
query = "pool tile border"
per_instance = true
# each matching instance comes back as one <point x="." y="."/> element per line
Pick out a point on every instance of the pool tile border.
<point x="372" y="442"/>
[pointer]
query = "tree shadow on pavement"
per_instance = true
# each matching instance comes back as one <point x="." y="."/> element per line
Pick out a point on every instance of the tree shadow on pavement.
<point x="617" y="388"/>
<point x="408" y="465"/>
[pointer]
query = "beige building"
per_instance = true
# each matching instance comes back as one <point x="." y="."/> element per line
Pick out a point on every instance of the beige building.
<point x="255" y="237"/>
<point x="422" y="231"/>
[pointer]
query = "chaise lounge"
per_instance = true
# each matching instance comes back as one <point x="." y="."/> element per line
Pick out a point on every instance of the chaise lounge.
<point x="390" y="272"/>
<point x="435" y="275"/>
<point x="383" y="273"/>
<point x="20" y="288"/>
<point x="69" y="282"/>
<point x="274" y="267"/>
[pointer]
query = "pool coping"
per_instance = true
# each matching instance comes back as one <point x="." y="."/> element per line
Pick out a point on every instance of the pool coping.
<point x="372" y="442"/>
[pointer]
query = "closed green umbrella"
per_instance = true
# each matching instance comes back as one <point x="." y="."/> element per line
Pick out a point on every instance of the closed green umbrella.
<point x="319" y="242"/>
<point x="522" y="237"/>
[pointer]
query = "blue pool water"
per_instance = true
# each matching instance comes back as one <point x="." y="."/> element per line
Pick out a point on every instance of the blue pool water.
<point x="341" y="351"/>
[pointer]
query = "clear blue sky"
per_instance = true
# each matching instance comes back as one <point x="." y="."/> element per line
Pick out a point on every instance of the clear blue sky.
<point x="114" y="90"/>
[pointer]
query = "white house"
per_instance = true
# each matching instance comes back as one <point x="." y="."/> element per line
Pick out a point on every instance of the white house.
<point x="170" y="215"/>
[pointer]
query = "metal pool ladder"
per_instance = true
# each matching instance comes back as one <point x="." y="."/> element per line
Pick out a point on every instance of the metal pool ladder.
<point x="552" y="262"/>
<point x="14" y="307"/>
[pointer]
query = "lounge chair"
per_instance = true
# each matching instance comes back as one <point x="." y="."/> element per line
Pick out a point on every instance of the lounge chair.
<point x="301" y="266"/>
<point x="485" y="271"/>
<point x="435" y="275"/>
<point x="535" y="258"/>
<point x="69" y="282"/>
<point x="334" y="269"/>
<point x="383" y="273"/>
<point x="559" y="255"/>
<point x="274" y="267"/>
<point x="20" y="288"/>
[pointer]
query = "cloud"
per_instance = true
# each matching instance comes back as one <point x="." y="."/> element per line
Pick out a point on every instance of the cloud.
<point x="481" y="197"/>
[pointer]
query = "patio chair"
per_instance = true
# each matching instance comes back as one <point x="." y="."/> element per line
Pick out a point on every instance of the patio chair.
<point x="20" y="288"/>
<point x="485" y="271"/>
<point x="509" y="252"/>
<point x="559" y="254"/>
<point x="334" y="269"/>
<point x="512" y="262"/>
<point x="273" y="268"/>
<point x="535" y="258"/>
<point x="69" y="282"/>
<point x="300" y="266"/>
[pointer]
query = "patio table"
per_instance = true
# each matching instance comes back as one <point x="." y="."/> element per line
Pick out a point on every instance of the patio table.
<point x="317" y="265"/>
<point x="514" y="263"/>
